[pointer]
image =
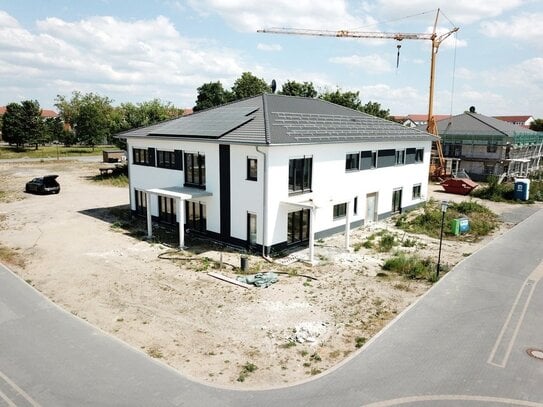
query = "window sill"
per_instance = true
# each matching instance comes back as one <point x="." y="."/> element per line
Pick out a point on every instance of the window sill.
<point x="251" y="179"/>
<point x="194" y="186"/>
<point x="294" y="193"/>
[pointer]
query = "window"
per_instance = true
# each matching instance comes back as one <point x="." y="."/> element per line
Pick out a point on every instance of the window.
<point x="252" y="169"/>
<point x="400" y="157"/>
<point x="452" y="149"/>
<point x="355" y="205"/>
<point x="368" y="160"/>
<point x="397" y="201"/>
<point x="195" y="170"/>
<point x="141" y="202"/>
<point x="419" y="155"/>
<point x="340" y="210"/>
<point x="352" y="162"/>
<point x="416" y="191"/>
<point x="141" y="156"/>
<point x="166" y="210"/>
<point x="298" y="226"/>
<point x="492" y="147"/>
<point x="170" y="159"/>
<point x="299" y="175"/>
<point x="195" y="214"/>
<point x="251" y="229"/>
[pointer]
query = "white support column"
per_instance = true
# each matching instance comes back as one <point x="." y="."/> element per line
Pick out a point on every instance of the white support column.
<point x="149" y="220"/>
<point x="181" y="219"/>
<point x="348" y="226"/>
<point x="311" y="236"/>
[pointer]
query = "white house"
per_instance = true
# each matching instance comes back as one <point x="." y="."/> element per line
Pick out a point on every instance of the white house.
<point x="270" y="172"/>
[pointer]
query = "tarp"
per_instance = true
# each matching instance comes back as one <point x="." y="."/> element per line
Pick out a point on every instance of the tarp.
<point x="259" y="279"/>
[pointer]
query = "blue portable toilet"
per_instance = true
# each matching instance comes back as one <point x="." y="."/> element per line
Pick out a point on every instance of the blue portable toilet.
<point x="522" y="189"/>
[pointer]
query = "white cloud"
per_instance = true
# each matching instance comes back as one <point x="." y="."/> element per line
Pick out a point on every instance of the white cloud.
<point x="136" y="59"/>
<point x="370" y="63"/>
<point x="269" y="47"/>
<point x="250" y="15"/>
<point x="459" y="11"/>
<point x="524" y="27"/>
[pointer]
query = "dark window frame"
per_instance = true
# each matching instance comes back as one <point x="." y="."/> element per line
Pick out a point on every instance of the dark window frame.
<point x="419" y="155"/>
<point x="195" y="216"/>
<point x="172" y="160"/>
<point x="195" y="170"/>
<point x="140" y="156"/>
<point x="141" y="202"/>
<point x="416" y="191"/>
<point x="251" y="215"/>
<point x="297" y="231"/>
<point x="352" y="162"/>
<point x="355" y="206"/>
<point x="400" y="157"/>
<point x="167" y="210"/>
<point x="252" y="169"/>
<point x="300" y="175"/>
<point x="340" y="211"/>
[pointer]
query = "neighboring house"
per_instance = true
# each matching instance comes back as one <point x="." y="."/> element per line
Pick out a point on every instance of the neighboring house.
<point x="523" y="121"/>
<point x="414" y="120"/>
<point x="488" y="146"/>
<point x="272" y="172"/>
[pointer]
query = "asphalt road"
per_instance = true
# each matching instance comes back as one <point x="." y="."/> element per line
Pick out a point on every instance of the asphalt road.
<point x="464" y="343"/>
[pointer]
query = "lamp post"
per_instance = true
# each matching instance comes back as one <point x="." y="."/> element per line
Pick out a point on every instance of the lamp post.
<point x="444" y="205"/>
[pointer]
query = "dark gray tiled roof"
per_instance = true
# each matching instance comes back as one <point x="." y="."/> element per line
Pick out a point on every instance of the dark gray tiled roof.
<point x="275" y="119"/>
<point x="475" y="124"/>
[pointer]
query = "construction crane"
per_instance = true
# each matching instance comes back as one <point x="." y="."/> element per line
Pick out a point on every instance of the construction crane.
<point x="437" y="169"/>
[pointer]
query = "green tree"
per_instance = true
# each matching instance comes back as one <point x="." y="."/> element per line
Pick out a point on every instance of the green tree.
<point x="32" y="122"/>
<point x="347" y="99"/>
<point x="249" y="85"/>
<point x="537" y="125"/>
<point x="12" y="128"/>
<point x="211" y="94"/>
<point x="53" y="129"/>
<point x="293" y="88"/>
<point x="375" y="109"/>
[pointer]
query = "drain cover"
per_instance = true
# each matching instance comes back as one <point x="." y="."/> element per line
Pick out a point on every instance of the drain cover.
<point x="535" y="353"/>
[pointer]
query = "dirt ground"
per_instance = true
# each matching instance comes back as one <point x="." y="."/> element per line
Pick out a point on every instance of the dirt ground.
<point x="73" y="248"/>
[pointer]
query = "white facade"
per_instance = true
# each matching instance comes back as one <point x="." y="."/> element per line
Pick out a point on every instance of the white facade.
<point x="268" y="196"/>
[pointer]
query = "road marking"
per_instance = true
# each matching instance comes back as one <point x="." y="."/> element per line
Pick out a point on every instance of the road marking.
<point x="7" y="400"/>
<point x="454" y="397"/>
<point x="506" y="339"/>
<point x="25" y="395"/>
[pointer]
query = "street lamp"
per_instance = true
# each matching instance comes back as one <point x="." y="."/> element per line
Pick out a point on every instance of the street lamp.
<point x="444" y="205"/>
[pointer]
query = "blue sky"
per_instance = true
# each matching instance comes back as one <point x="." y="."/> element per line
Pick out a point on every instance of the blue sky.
<point x="132" y="51"/>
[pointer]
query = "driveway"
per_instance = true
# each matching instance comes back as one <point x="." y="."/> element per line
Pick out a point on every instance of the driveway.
<point x="464" y="343"/>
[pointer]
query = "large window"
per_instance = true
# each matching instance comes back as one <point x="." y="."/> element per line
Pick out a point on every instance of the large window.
<point x="251" y="229"/>
<point x="352" y="162"/>
<point x="298" y="226"/>
<point x="195" y="170"/>
<point x="452" y="149"/>
<point x="400" y="157"/>
<point x="141" y="202"/>
<point x="397" y="200"/>
<point x="299" y="175"/>
<point x="252" y="169"/>
<point x="195" y="214"/>
<point x="166" y="210"/>
<point x="419" y="155"/>
<point x="340" y="210"/>
<point x="169" y="159"/>
<point x="141" y="156"/>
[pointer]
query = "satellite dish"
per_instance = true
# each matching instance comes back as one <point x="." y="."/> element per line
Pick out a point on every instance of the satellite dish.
<point x="273" y="86"/>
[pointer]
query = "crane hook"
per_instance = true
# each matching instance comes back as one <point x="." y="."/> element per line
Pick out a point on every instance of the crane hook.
<point x="398" y="56"/>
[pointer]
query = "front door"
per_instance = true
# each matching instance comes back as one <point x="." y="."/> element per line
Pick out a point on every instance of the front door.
<point x="371" y="208"/>
<point x="397" y="201"/>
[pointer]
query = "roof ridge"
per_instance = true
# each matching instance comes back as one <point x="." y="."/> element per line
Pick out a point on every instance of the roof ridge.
<point x="488" y="124"/>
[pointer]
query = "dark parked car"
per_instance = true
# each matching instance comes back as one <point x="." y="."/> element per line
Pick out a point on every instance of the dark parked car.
<point x="43" y="185"/>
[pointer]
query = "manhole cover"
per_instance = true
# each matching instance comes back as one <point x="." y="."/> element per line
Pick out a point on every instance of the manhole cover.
<point x="535" y="353"/>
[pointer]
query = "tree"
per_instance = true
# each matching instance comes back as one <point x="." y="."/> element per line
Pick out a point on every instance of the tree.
<point x="32" y="122"/>
<point x="537" y="125"/>
<point x="211" y="94"/>
<point x="12" y="129"/>
<point x="53" y="129"/>
<point x="293" y="88"/>
<point x="249" y="85"/>
<point x="347" y="99"/>
<point x="374" y="109"/>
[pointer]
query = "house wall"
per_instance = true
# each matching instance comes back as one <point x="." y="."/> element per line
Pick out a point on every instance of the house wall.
<point x="331" y="184"/>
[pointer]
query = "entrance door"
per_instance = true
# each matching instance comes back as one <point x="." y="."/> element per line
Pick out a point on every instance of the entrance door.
<point x="371" y="207"/>
<point x="251" y="229"/>
<point x="397" y="201"/>
<point x="298" y="226"/>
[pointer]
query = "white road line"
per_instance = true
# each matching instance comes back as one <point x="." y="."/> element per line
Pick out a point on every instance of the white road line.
<point x="454" y="397"/>
<point x="30" y="400"/>
<point x="7" y="400"/>
<point x="530" y="284"/>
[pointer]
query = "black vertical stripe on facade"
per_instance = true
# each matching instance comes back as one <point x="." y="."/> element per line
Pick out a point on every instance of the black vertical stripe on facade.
<point x="151" y="157"/>
<point x="224" y="181"/>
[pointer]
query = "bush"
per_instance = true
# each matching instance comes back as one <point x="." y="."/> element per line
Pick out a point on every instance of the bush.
<point x="411" y="267"/>
<point x="386" y="242"/>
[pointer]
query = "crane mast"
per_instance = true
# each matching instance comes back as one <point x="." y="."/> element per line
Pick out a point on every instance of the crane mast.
<point x="434" y="37"/>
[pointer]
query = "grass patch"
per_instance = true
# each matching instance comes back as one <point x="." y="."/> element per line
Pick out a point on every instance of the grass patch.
<point x="11" y="256"/>
<point x="412" y="266"/>
<point x="11" y="152"/>
<point x="386" y="242"/>
<point x="247" y="368"/>
<point x="359" y="341"/>
<point x="481" y="219"/>
<point x="117" y="178"/>
<point x="155" y="352"/>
